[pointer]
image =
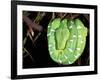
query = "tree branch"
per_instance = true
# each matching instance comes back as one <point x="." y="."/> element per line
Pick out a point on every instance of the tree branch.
<point x="31" y="24"/>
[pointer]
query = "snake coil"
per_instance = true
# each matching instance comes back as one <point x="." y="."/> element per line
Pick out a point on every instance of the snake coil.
<point x="66" y="40"/>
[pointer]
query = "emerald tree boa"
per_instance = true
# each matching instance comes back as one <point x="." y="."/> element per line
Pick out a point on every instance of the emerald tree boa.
<point x="66" y="40"/>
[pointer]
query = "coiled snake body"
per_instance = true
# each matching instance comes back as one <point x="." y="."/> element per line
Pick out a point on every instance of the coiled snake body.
<point x="66" y="40"/>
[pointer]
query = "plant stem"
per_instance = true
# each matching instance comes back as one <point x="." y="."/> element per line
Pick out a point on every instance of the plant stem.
<point x="28" y="54"/>
<point x="31" y="24"/>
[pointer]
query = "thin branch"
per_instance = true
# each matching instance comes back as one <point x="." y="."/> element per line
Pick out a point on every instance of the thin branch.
<point x="24" y="41"/>
<point x="86" y="16"/>
<point x="53" y="15"/>
<point x="79" y="61"/>
<point x="31" y="24"/>
<point x="36" y="37"/>
<point x="28" y="54"/>
<point x="28" y="33"/>
<point x="39" y="17"/>
<point x="74" y="16"/>
<point x="26" y="13"/>
<point x="63" y="15"/>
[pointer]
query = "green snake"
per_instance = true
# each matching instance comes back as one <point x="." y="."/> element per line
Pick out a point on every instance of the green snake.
<point x="66" y="40"/>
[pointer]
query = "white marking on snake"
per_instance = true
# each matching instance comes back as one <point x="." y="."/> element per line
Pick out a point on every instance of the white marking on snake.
<point x="48" y="26"/>
<point x="81" y="42"/>
<point x="70" y="49"/>
<point x="80" y="36"/>
<point x="78" y="49"/>
<point x="71" y="40"/>
<point x="71" y="22"/>
<point x="70" y="27"/>
<point x="50" y="45"/>
<point x="52" y="30"/>
<point x="51" y="53"/>
<point x="79" y="27"/>
<point x="74" y="36"/>
<point x="60" y="61"/>
<point x="69" y="62"/>
<point x="49" y="34"/>
<point x="65" y="57"/>
<point x="76" y="56"/>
